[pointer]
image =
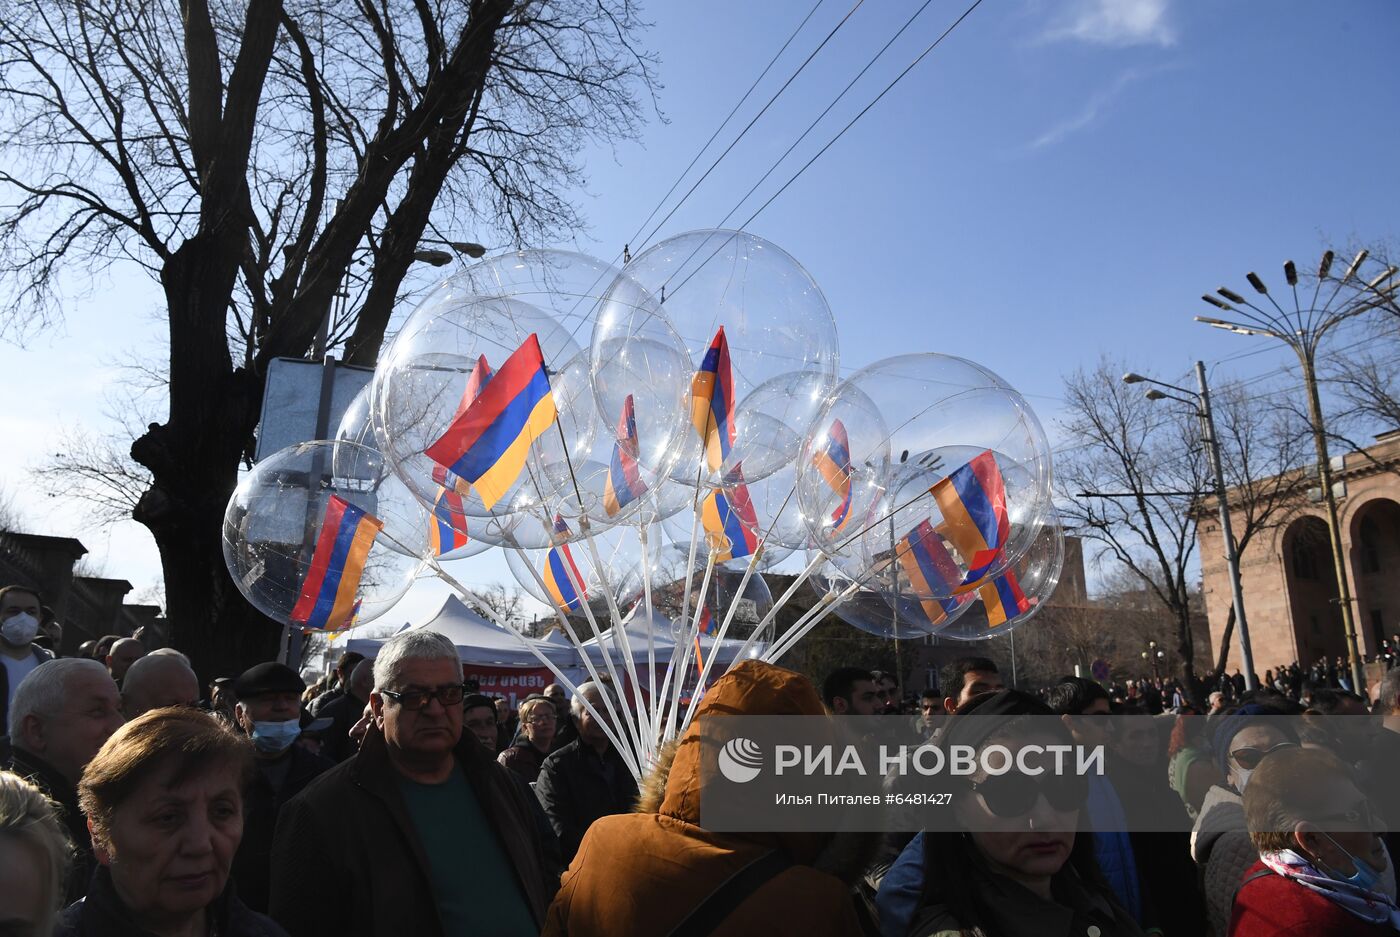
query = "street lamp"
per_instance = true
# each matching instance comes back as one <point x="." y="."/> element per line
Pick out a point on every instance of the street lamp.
<point x="1200" y="402"/>
<point x="1302" y="329"/>
<point x="1153" y="655"/>
<point x="441" y="258"/>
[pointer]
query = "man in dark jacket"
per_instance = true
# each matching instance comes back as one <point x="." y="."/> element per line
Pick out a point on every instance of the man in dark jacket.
<point x="420" y="833"/>
<point x="60" y="715"/>
<point x="345" y="710"/>
<point x="269" y="711"/>
<point x="585" y="779"/>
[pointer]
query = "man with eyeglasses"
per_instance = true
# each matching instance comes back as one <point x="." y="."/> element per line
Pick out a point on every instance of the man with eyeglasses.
<point x="422" y="832"/>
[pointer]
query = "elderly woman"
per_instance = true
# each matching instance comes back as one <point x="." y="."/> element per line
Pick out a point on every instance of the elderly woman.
<point x="34" y="857"/>
<point x="1323" y="868"/>
<point x="1018" y="868"/>
<point x="164" y="799"/>
<point x="538" y="720"/>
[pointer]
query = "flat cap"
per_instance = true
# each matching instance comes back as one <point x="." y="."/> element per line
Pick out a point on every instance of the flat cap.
<point x="268" y="677"/>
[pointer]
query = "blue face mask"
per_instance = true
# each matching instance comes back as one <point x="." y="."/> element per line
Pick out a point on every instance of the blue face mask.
<point x="273" y="737"/>
<point x="1364" y="877"/>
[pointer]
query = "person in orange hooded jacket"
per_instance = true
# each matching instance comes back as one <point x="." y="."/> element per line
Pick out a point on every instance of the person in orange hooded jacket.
<point x="646" y="873"/>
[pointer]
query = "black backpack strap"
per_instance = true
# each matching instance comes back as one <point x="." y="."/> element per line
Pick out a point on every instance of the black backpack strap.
<point x="1260" y="874"/>
<point x="721" y="902"/>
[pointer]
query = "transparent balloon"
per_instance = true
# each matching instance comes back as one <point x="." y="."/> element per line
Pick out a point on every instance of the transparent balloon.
<point x="841" y="471"/>
<point x="641" y="367"/>
<point x="969" y="478"/>
<point x="322" y="535"/>
<point x="750" y="605"/>
<point x="565" y="284"/>
<point x="775" y="319"/>
<point x="1019" y="594"/>
<point x="876" y="608"/>
<point x="725" y="521"/>
<point x="433" y="372"/>
<point x="566" y="574"/>
<point x="356" y="425"/>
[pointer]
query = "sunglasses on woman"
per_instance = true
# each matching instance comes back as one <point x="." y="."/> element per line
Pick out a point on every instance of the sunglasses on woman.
<point x="1014" y="795"/>
<point x="1249" y="758"/>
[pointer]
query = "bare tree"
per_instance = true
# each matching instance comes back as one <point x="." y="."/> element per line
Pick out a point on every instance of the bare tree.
<point x="505" y="602"/>
<point x="1132" y="485"/>
<point x="262" y="159"/>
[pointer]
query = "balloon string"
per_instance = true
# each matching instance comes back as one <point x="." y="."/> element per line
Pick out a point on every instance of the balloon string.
<point x="470" y="596"/>
<point x="723" y="630"/>
<point x="673" y="727"/>
<point x="685" y="597"/>
<point x="830" y="603"/>
<point x="573" y="636"/>
<point x="617" y="627"/>
<point x="651" y="628"/>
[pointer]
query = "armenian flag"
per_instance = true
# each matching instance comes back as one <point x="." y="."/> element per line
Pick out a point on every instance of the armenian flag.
<point x="973" y="502"/>
<point x="930" y="568"/>
<point x="731" y="526"/>
<point x="327" y="599"/>
<point x="447" y="531"/>
<point x="624" y="482"/>
<point x="707" y="622"/>
<point x="834" y="463"/>
<point x="559" y="566"/>
<point x="475" y="381"/>
<point x="487" y="443"/>
<point x="1003" y="599"/>
<point x="712" y="402"/>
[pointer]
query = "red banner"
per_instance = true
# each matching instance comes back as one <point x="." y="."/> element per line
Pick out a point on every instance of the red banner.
<point x="513" y="683"/>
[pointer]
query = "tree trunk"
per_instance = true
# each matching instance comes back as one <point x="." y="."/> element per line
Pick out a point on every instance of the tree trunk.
<point x="1225" y="636"/>
<point x="1186" y="649"/>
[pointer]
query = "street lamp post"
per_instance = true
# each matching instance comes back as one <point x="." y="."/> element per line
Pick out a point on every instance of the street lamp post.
<point x="1201" y="402"/>
<point x="1302" y="330"/>
<point x="1152" y="655"/>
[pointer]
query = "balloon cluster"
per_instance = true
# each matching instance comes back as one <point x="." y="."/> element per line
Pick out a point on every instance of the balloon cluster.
<point x="670" y="430"/>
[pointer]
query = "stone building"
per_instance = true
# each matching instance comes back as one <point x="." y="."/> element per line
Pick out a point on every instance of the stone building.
<point x="1290" y="588"/>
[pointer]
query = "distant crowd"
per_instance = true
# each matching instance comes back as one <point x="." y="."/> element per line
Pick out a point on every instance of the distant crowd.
<point x="392" y="798"/>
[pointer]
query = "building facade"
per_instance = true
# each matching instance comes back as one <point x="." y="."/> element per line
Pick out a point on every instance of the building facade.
<point x="1287" y="574"/>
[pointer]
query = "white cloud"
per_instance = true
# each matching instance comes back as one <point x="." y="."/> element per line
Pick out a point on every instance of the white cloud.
<point x="1092" y="109"/>
<point x="1115" y="23"/>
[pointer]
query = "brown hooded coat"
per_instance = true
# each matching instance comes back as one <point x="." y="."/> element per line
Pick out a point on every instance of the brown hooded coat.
<point x="642" y="873"/>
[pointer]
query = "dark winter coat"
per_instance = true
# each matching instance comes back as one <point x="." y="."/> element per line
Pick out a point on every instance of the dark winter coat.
<point x="261" y="805"/>
<point x="347" y="859"/>
<point x="56" y="788"/>
<point x="102" y="914"/>
<point x="576" y="786"/>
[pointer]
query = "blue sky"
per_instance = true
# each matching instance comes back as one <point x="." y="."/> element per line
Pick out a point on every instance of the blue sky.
<point x="1056" y="182"/>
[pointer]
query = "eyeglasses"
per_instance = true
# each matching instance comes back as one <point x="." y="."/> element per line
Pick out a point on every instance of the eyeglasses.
<point x="1249" y="758"/>
<point x="1014" y="795"/>
<point x="415" y="700"/>
<point x="542" y="717"/>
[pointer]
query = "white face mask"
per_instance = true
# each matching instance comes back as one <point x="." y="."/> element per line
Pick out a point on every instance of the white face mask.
<point x="18" y="630"/>
<point x="1242" y="778"/>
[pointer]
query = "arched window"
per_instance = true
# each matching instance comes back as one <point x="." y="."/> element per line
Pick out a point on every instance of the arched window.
<point x="1370" y="537"/>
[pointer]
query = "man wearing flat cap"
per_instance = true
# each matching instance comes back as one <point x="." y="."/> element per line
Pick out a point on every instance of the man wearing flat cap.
<point x="269" y="712"/>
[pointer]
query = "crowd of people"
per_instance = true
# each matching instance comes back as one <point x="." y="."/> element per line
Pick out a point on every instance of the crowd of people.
<point x="393" y="798"/>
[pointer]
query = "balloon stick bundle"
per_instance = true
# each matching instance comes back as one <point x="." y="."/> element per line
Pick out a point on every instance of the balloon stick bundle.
<point x="647" y="446"/>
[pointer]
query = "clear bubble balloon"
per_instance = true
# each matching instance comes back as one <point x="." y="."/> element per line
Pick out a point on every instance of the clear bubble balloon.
<point x="877" y="608"/>
<point x="642" y="368"/>
<point x="431" y="376"/>
<point x="356" y="425"/>
<point x="565" y="284"/>
<point x="751" y="604"/>
<point x="969" y="477"/>
<point x="725" y="522"/>
<point x="841" y="470"/>
<point x="1018" y="594"/>
<point x="566" y="574"/>
<point x="775" y="322"/>
<point x="322" y="535"/>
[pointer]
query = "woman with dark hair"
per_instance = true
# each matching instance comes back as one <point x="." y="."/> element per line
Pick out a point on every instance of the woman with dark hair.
<point x="164" y="801"/>
<point x="1017" y="867"/>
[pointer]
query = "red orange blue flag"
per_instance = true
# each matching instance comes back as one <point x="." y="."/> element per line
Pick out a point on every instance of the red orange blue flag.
<point x="712" y="402"/>
<point x="327" y="598"/>
<point x="447" y="531"/>
<point x="973" y="502"/>
<point x="487" y="443"/>
<point x="731" y="525"/>
<point x="1003" y="599"/>
<point x="833" y="461"/>
<point x="475" y="381"/>
<point x="931" y="571"/>
<point x="624" y="482"/>
<point x="560" y="573"/>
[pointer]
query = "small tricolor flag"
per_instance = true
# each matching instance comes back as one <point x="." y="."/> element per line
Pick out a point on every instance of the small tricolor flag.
<point x="1003" y="599"/>
<point x="487" y="443"/>
<point x="447" y="530"/>
<point x="973" y="502"/>
<point x="559" y="567"/>
<point x="624" y="482"/>
<point x="707" y="622"/>
<point x="834" y="462"/>
<point x="731" y="526"/>
<point x="327" y="599"/>
<point x="931" y="570"/>
<point x="712" y="402"/>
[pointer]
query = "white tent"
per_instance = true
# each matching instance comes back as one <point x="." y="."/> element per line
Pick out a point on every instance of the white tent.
<point x="479" y="641"/>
